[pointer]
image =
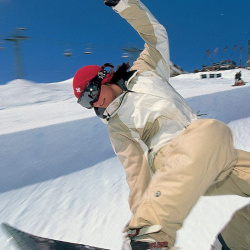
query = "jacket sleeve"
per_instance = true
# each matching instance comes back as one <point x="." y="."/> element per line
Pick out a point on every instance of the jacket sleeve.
<point x="155" y="55"/>
<point x="132" y="154"/>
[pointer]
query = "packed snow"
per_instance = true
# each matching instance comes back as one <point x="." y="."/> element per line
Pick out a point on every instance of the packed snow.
<point x="60" y="178"/>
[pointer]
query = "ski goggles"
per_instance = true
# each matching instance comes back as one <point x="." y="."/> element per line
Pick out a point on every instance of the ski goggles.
<point x="90" y="95"/>
<point x="92" y="92"/>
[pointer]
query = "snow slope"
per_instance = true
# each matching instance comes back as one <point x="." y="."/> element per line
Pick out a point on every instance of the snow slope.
<point x="59" y="175"/>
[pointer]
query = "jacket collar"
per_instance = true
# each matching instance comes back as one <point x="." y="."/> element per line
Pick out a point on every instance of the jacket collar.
<point x="114" y="106"/>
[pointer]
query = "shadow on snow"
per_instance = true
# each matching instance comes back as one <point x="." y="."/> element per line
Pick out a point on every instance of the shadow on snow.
<point x="46" y="153"/>
<point x="225" y="106"/>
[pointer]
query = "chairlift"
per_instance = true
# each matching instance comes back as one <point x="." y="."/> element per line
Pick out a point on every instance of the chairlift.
<point x="21" y="28"/>
<point x="87" y="52"/>
<point x="125" y="55"/>
<point x="68" y="53"/>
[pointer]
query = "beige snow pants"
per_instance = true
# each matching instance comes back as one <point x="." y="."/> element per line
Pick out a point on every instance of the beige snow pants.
<point x="236" y="233"/>
<point x="201" y="160"/>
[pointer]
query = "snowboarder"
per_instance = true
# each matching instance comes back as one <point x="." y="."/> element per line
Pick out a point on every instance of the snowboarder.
<point x="238" y="76"/>
<point x="238" y="80"/>
<point x="171" y="158"/>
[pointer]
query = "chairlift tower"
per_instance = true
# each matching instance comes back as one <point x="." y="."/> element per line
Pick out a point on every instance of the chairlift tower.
<point x="248" y="54"/>
<point x="16" y="38"/>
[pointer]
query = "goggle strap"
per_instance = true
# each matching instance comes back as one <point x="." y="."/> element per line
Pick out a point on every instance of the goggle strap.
<point x="107" y="65"/>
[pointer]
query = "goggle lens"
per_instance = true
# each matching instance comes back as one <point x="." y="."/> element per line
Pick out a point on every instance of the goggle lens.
<point x="90" y="95"/>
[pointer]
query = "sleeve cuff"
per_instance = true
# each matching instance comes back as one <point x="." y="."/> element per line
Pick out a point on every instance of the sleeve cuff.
<point x="122" y="5"/>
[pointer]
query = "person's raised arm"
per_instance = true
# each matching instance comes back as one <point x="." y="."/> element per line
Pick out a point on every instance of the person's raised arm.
<point x="155" y="55"/>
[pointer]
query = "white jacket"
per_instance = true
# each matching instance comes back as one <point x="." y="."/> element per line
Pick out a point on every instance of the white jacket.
<point x="144" y="120"/>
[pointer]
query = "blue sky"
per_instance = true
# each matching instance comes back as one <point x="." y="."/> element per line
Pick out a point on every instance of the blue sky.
<point x="54" y="27"/>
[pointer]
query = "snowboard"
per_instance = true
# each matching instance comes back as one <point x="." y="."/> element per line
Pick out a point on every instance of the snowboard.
<point x="26" y="241"/>
<point x="239" y="83"/>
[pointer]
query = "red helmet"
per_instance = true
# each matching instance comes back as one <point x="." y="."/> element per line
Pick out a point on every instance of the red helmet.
<point x="85" y="74"/>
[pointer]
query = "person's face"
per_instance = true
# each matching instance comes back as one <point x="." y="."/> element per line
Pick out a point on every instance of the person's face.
<point x="107" y="95"/>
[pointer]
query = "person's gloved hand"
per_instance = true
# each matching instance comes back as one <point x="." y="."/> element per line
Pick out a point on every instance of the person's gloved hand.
<point x="111" y="3"/>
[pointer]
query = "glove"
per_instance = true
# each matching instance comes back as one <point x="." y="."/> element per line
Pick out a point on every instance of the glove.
<point x="111" y="3"/>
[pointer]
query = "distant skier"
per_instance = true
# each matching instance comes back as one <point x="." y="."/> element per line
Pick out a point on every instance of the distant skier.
<point x="238" y="76"/>
<point x="171" y="158"/>
<point x="238" y="80"/>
